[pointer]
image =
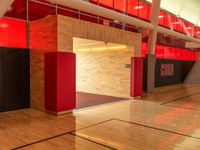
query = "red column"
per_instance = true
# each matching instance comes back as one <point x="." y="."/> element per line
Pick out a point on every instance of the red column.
<point x="60" y="83"/>
<point x="136" y="76"/>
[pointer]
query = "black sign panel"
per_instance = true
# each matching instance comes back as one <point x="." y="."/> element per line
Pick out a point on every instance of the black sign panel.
<point x="169" y="72"/>
<point x="1" y="78"/>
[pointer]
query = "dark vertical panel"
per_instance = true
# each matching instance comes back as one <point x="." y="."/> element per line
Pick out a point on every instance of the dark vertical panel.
<point x="145" y="73"/>
<point x="1" y="78"/>
<point x="16" y="78"/>
<point x="25" y="78"/>
<point x="11" y="73"/>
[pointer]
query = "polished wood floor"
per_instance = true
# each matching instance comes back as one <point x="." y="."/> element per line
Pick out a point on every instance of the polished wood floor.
<point x="169" y="119"/>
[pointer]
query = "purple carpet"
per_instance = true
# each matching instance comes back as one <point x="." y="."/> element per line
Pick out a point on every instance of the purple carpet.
<point x="88" y="99"/>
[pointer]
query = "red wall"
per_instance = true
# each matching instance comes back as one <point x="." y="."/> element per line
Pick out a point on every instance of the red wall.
<point x="167" y="52"/>
<point x="13" y="33"/>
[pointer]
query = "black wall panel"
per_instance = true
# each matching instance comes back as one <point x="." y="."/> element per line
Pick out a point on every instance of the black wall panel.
<point x="177" y="77"/>
<point x="16" y="79"/>
<point x="1" y="78"/>
<point x="180" y="71"/>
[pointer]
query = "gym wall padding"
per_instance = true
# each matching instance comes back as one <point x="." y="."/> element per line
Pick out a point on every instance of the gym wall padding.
<point x="14" y="79"/>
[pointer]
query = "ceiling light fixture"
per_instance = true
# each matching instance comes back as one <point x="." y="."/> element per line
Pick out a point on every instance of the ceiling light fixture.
<point x="161" y="16"/>
<point x="103" y="48"/>
<point x="3" y="25"/>
<point x="189" y="28"/>
<point x="176" y="22"/>
<point x="10" y="9"/>
<point x="138" y="7"/>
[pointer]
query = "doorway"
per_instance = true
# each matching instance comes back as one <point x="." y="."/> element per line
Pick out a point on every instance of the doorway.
<point x="102" y="72"/>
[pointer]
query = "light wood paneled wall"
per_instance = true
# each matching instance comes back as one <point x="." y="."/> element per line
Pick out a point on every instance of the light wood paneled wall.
<point x="43" y="38"/>
<point x="70" y="27"/>
<point x="55" y="33"/>
<point x="104" y="72"/>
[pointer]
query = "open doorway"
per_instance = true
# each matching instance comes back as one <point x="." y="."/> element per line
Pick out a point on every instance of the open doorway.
<point x="102" y="72"/>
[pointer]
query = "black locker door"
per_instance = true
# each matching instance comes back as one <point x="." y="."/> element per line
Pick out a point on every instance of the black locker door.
<point x="1" y="77"/>
<point x="15" y="79"/>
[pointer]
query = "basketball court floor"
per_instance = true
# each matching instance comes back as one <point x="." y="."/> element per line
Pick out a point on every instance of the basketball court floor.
<point x="149" y="123"/>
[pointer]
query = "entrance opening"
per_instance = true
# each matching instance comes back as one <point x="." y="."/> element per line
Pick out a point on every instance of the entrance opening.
<point x="102" y="72"/>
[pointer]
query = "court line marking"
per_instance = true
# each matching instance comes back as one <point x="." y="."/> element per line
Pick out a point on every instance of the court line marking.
<point x="182" y="107"/>
<point x="138" y="124"/>
<point x="155" y="128"/>
<point x="170" y="101"/>
<point x="74" y="134"/>
<point x="55" y="136"/>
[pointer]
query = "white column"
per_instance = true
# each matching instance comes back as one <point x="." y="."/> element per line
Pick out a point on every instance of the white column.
<point x="151" y="59"/>
<point x="155" y="11"/>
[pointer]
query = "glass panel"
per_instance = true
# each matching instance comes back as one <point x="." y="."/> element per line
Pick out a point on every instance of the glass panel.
<point x="88" y="17"/>
<point x="143" y="11"/>
<point x="167" y="22"/>
<point x="197" y="32"/>
<point x="133" y="7"/>
<point x="17" y="10"/>
<point x="192" y="55"/>
<point x="159" y="51"/>
<point x="144" y="50"/>
<point x="13" y="33"/>
<point x="178" y="54"/>
<point x="161" y="18"/>
<point x="120" y="5"/>
<point x="172" y="51"/>
<point x="166" y="52"/>
<point x="184" y="54"/>
<point x="43" y="11"/>
<point x="68" y="12"/>
<point x="106" y="3"/>
<point x="188" y="28"/>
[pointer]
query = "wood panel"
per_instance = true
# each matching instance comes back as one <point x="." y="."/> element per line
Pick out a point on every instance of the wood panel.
<point x="43" y="38"/>
<point x="27" y="126"/>
<point x="55" y="33"/>
<point x="70" y="27"/>
<point x="43" y="34"/>
<point x="104" y="72"/>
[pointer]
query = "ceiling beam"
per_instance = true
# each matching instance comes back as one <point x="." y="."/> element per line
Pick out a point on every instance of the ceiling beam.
<point x="107" y="13"/>
<point x="177" y="35"/>
<point x="103" y="12"/>
<point x="4" y="5"/>
<point x="192" y="45"/>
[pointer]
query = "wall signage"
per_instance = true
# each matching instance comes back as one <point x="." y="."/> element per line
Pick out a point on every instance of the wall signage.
<point x="166" y="70"/>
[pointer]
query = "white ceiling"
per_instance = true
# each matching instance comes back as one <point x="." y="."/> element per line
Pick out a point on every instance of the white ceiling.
<point x="187" y="9"/>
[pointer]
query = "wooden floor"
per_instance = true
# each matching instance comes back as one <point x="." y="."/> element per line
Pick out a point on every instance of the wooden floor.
<point x="169" y="119"/>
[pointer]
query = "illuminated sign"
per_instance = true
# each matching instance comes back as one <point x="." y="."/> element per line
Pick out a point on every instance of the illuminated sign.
<point x="166" y="70"/>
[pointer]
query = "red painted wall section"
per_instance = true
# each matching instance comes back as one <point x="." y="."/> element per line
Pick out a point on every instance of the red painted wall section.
<point x="136" y="76"/>
<point x="60" y="86"/>
<point x="13" y="33"/>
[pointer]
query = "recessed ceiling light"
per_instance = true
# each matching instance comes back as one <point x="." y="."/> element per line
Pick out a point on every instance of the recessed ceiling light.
<point x="189" y="28"/>
<point x="116" y="21"/>
<point x="138" y="7"/>
<point x="3" y="25"/>
<point x="176" y="22"/>
<point x="10" y="8"/>
<point x="161" y="16"/>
